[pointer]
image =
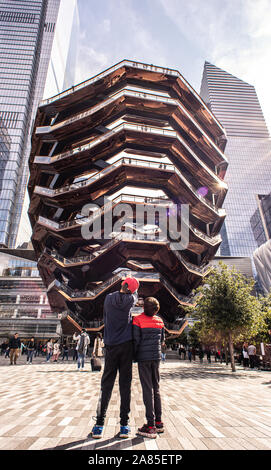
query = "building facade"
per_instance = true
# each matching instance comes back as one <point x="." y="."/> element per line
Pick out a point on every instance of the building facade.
<point x="136" y="138"/>
<point x="24" y="306"/>
<point x="248" y="149"/>
<point x="27" y="31"/>
<point x="261" y="219"/>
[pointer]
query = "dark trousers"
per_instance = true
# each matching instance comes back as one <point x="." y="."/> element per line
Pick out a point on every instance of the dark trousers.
<point x="149" y="378"/>
<point x="252" y="360"/>
<point x="118" y="358"/>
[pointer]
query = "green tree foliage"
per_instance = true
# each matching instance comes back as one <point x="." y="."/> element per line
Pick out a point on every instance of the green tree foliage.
<point x="226" y="307"/>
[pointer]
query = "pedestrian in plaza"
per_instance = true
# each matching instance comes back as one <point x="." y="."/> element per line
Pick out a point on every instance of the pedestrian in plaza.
<point x="190" y="354"/>
<point x="245" y="355"/>
<point x="7" y="351"/>
<point x="49" y="350"/>
<point x="208" y="355"/>
<point x="82" y="345"/>
<point x="193" y="353"/>
<point x="14" y="348"/>
<point x="163" y="351"/>
<point x="31" y="348"/>
<point x="56" y="351"/>
<point x="65" y="352"/>
<point x="217" y="355"/>
<point x="118" y="354"/>
<point x="98" y="346"/>
<point x="4" y="347"/>
<point x="149" y="336"/>
<point x="252" y="355"/>
<point x="201" y="354"/>
<point x="74" y="353"/>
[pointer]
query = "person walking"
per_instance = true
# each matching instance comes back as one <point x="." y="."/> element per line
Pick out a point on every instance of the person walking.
<point x="245" y="355"/>
<point x="65" y="352"/>
<point x="201" y="355"/>
<point x="208" y="355"/>
<point x="149" y="337"/>
<point x="118" y="355"/>
<point x="81" y="347"/>
<point x="74" y="353"/>
<point x="190" y="354"/>
<point x="14" y="348"/>
<point x="31" y="348"/>
<point x="98" y="346"/>
<point x="163" y="351"/>
<point x="56" y="351"/>
<point x="49" y="350"/>
<point x="252" y="355"/>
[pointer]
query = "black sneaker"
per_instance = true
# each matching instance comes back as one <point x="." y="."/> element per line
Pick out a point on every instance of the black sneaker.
<point x="159" y="427"/>
<point x="147" y="431"/>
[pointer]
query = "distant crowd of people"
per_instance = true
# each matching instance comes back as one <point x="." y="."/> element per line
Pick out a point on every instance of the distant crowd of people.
<point x="52" y="350"/>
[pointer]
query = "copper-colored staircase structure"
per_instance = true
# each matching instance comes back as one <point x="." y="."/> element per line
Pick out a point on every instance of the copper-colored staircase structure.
<point x="135" y="134"/>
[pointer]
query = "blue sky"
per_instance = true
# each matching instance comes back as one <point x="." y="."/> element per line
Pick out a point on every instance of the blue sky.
<point x="235" y="35"/>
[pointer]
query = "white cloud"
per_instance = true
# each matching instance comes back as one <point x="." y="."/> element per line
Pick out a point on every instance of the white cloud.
<point x="234" y="35"/>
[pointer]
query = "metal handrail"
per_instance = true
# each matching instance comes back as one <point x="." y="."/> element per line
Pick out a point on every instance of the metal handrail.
<point x="138" y="65"/>
<point x="85" y="294"/>
<point x="134" y="127"/>
<point x="123" y="236"/>
<point x="134" y="94"/>
<point x="134" y="162"/>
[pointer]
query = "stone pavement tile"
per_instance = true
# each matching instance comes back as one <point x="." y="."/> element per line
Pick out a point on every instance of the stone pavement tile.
<point x="184" y="443"/>
<point x="12" y="431"/>
<point x="204" y="432"/>
<point x="24" y="444"/>
<point x="151" y="444"/>
<point x="163" y="444"/>
<point x="214" y="431"/>
<point x="211" y="444"/>
<point x="199" y="444"/>
<point x="261" y="443"/>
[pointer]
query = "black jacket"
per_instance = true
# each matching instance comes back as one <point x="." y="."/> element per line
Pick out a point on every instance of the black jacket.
<point x="31" y="345"/>
<point x="118" y="318"/>
<point x="14" y="343"/>
<point x="148" y="334"/>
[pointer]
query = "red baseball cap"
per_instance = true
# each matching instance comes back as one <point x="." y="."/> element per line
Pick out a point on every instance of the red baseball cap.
<point x="132" y="284"/>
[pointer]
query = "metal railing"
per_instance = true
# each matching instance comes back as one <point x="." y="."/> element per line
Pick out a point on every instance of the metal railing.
<point x="133" y="162"/>
<point x="134" y="94"/>
<point x="123" y="236"/>
<point x="95" y="292"/>
<point x="136" y="65"/>
<point x="136" y="128"/>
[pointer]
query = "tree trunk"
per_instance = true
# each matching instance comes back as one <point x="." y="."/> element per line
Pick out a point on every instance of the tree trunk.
<point x="231" y="353"/>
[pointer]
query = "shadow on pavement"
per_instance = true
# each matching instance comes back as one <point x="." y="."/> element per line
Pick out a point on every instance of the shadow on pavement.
<point x="100" y="444"/>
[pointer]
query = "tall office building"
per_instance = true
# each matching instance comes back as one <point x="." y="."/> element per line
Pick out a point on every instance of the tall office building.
<point x="27" y="30"/>
<point x="248" y="149"/>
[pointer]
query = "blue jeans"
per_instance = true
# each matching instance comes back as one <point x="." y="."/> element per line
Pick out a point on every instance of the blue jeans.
<point x="49" y="355"/>
<point x="81" y="360"/>
<point x="30" y="354"/>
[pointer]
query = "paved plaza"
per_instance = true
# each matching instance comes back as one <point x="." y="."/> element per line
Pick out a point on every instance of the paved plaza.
<point x="205" y="406"/>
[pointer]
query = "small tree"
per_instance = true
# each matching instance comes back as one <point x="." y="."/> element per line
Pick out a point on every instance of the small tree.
<point x="225" y="305"/>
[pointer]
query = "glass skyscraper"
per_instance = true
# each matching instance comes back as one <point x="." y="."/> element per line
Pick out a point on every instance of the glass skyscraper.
<point x="235" y="104"/>
<point x="27" y="29"/>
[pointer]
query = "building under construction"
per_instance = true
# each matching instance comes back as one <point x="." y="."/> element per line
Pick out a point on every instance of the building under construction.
<point x="133" y="139"/>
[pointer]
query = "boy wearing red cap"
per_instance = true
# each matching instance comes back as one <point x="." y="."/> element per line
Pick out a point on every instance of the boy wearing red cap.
<point x="118" y="354"/>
